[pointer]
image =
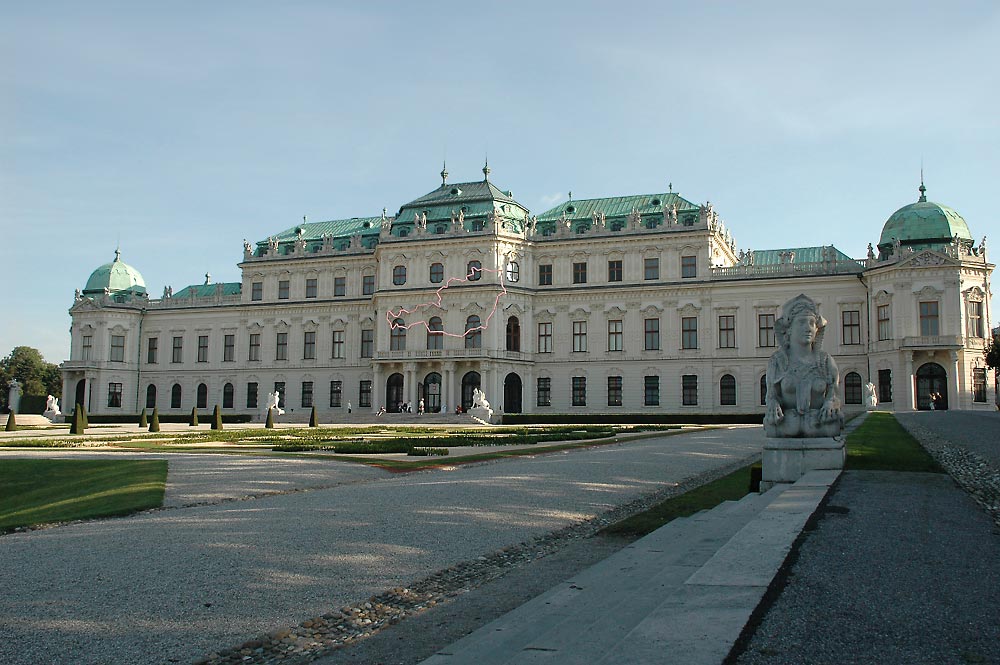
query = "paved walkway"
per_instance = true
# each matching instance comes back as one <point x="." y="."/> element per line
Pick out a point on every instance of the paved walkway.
<point x="173" y="585"/>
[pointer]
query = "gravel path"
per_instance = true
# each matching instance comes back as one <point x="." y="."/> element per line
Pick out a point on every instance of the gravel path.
<point x="901" y="568"/>
<point x="976" y="431"/>
<point x="171" y="586"/>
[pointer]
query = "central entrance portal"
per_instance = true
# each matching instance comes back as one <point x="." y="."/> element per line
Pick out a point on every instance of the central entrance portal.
<point x="394" y="392"/>
<point x="932" y="380"/>
<point x="512" y="393"/>
<point x="430" y="392"/>
<point x="470" y="382"/>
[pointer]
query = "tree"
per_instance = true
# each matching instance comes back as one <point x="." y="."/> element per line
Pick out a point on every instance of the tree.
<point x="36" y="376"/>
<point x="992" y="353"/>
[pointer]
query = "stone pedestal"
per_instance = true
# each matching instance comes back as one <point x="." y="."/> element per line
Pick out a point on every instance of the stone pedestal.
<point x="787" y="460"/>
<point x="484" y="415"/>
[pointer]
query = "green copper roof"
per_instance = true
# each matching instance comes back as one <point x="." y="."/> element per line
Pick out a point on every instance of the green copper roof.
<point x="771" y="257"/>
<point x="923" y="222"/>
<point x="474" y="199"/>
<point x="617" y="206"/>
<point x="116" y="277"/>
<point x="209" y="290"/>
<point x="313" y="232"/>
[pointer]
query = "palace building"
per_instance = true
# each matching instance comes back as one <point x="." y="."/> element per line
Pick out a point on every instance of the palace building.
<point x="636" y="304"/>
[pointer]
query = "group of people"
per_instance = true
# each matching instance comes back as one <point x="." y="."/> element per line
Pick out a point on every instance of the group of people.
<point x="937" y="401"/>
<point x="407" y="407"/>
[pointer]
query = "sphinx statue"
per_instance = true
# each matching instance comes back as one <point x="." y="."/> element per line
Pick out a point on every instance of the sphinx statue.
<point x="803" y="383"/>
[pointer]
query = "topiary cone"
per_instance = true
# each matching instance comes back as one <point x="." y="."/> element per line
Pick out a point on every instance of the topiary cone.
<point x="142" y="418"/>
<point x="269" y="423"/>
<point x="154" y="423"/>
<point x="313" y="420"/>
<point x="77" y="426"/>
<point x="194" y="417"/>
<point x="216" y="418"/>
<point x="84" y="418"/>
<point x="11" y="423"/>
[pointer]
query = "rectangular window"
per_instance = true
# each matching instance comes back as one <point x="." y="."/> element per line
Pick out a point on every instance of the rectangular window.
<point x="311" y="287"/>
<point x="579" y="391"/>
<point x="689" y="332"/>
<point x="177" y="352"/>
<point x="307" y="394"/>
<point x="614" y="391"/>
<point x="765" y="330"/>
<point x="339" y="287"/>
<point x="580" y="273"/>
<point x="543" y="392"/>
<point x="365" y="394"/>
<point x="367" y="343"/>
<point x="203" y="348"/>
<point x="884" y="331"/>
<point x="229" y="348"/>
<point x="338" y="344"/>
<point x="281" y="346"/>
<point x="885" y="385"/>
<point x="616" y="334"/>
<point x="115" y="395"/>
<point x="279" y="387"/>
<point x="152" y="349"/>
<point x="308" y="345"/>
<point x="651" y="334"/>
<point x="117" y="348"/>
<point x="88" y="345"/>
<point x="651" y="268"/>
<point x="851" y="320"/>
<point x="367" y="285"/>
<point x="252" y="395"/>
<point x="579" y="336"/>
<point x="545" y="337"/>
<point x="651" y="390"/>
<point x="336" y="393"/>
<point x="727" y="331"/>
<point x="614" y="271"/>
<point x="254" y="347"/>
<point x="283" y="289"/>
<point x="256" y="290"/>
<point x="978" y="384"/>
<point x="545" y="274"/>
<point x="689" y="390"/>
<point x="975" y="319"/>
<point x="929" y="318"/>
<point x="689" y="266"/>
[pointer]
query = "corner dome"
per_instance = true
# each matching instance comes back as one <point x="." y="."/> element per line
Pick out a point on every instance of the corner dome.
<point x="116" y="277"/>
<point x="923" y="223"/>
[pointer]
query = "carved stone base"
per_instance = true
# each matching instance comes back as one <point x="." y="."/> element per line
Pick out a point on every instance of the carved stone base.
<point x="485" y="416"/>
<point x="787" y="460"/>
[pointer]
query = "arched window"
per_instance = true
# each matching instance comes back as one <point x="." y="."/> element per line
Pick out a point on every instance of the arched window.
<point x="440" y="228"/>
<point x="437" y="273"/>
<point x="763" y="390"/>
<point x="202" y="396"/>
<point x="435" y="338"/>
<point x="513" y="334"/>
<point x="477" y="225"/>
<point x="227" y="396"/>
<point x="474" y="271"/>
<point x="473" y="333"/>
<point x="403" y="232"/>
<point x="617" y="225"/>
<point x="399" y="275"/>
<point x="651" y="223"/>
<point x="397" y="336"/>
<point x="727" y="390"/>
<point x="175" y="396"/>
<point x="852" y="388"/>
<point x="150" y="396"/>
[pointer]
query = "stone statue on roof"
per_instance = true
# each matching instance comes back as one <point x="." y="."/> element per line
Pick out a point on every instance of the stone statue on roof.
<point x="871" y="252"/>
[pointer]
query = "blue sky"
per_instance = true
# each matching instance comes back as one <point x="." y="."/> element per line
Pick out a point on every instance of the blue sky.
<point x="179" y="129"/>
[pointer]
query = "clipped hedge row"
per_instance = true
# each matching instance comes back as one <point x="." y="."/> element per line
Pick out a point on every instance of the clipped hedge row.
<point x="635" y="418"/>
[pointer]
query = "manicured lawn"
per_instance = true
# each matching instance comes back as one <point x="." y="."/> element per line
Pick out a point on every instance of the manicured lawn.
<point x="728" y="488"/>
<point x="881" y="444"/>
<point x="42" y="491"/>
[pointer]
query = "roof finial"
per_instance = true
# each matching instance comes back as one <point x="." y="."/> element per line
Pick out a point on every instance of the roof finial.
<point x="118" y="254"/>
<point x="670" y="188"/>
<point x="444" y="173"/>
<point x="486" y="168"/>
<point x="923" y="190"/>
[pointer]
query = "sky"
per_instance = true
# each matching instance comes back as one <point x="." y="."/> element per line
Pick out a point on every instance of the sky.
<point x="175" y="130"/>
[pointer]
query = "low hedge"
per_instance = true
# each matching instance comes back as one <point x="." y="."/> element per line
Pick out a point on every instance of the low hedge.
<point x="635" y="418"/>
<point x="131" y="419"/>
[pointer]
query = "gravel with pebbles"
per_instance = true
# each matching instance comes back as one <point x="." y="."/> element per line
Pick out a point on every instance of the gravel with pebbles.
<point x="173" y="585"/>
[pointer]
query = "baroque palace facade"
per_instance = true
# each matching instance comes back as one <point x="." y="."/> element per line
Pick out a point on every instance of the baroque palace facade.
<point x="630" y="304"/>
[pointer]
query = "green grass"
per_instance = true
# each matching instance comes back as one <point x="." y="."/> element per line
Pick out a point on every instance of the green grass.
<point x="881" y="444"/>
<point x="728" y="488"/>
<point x="44" y="491"/>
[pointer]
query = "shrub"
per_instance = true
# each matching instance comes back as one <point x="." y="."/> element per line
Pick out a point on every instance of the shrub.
<point x="313" y="420"/>
<point x="86" y="420"/>
<point x="269" y="423"/>
<point x="77" y="426"/>
<point x="216" y="418"/>
<point x="194" y="417"/>
<point x="424" y="452"/>
<point x="142" y="419"/>
<point x="154" y="424"/>
<point x="11" y="423"/>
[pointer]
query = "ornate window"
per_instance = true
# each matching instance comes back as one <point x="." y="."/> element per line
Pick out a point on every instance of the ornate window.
<point x="437" y="273"/>
<point x="114" y="395"/>
<point x="851" y="320"/>
<point x="368" y="284"/>
<point x="689" y="332"/>
<point x="397" y="336"/>
<point x="152" y="349"/>
<point x="177" y="352"/>
<point x="513" y="271"/>
<point x="281" y="346"/>
<point x="367" y="343"/>
<point x="885" y="385"/>
<point x="579" y="336"/>
<point x="765" y="330"/>
<point x="545" y="274"/>
<point x="283" y="289"/>
<point x="614" y="391"/>
<point x="929" y="318"/>
<point x="474" y="271"/>
<point x="545" y="337"/>
<point x="228" y="348"/>
<point x="175" y="396"/>
<point x="543" y="391"/>
<point x="338" y="343"/>
<point x="579" y="394"/>
<point x="311" y="288"/>
<point x="975" y="309"/>
<point x="580" y="273"/>
<point x="150" y="396"/>
<point x="256" y="290"/>
<point x="365" y="393"/>
<point x="689" y="390"/>
<point x="727" y="390"/>
<point x="651" y="390"/>
<point x="307" y="394"/>
<point x="202" y="396"/>
<point x="203" y="348"/>
<point x="473" y="333"/>
<point x="339" y="287"/>
<point x="651" y="268"/>
<point x="228" y="396"/>
<point x="852" y="388"/>
<point x="616" y="328"/>
<point x="979" y="383"/>
<point x="689" y="267"/>
<point x="651" y="334"/>
<point x="309" y="345"/>
<point x="884" y="327"/>
<point x="117" y="349"/>
<point x="513" y="334"/>
<point x="336" y="393"/>
<point x="252" y="395"/>
<point x="435" y="336"/>
<point x="727" y="331"/>
<point x="615" y="271"/>
<point x="399" y="275"/>
<point x="254" y="349"/>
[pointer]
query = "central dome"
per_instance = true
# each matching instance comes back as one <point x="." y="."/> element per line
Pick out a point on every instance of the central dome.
<point x="115" y="277"/>
<point x="923" y="223"/>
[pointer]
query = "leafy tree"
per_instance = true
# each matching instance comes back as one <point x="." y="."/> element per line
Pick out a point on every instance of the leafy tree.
<point x="36" y="376"/>
<point x="992" y="353"/>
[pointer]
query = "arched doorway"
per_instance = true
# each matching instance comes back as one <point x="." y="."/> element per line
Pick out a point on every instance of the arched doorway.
<point x="470" y="382"/>
<point x="430" y="392"/>
<point x="393" y="392"/>
<point x="150" y="396"/>
<point x="202" y="397"/>
<point x="931" y="378"/>
<point x="512" y="393"/>
<point x="81" y="392"/>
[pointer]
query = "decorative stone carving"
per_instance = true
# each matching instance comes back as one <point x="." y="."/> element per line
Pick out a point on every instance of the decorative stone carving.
<point x="14" y="396"/>
<point x="871" y="400"/>
<point x="272" y="403"/>
<point x="803" y="383"/>
<point x="51" y="408"/>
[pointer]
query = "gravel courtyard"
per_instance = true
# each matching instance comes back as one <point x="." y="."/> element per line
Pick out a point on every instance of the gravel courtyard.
<point x="172" y="585"/>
